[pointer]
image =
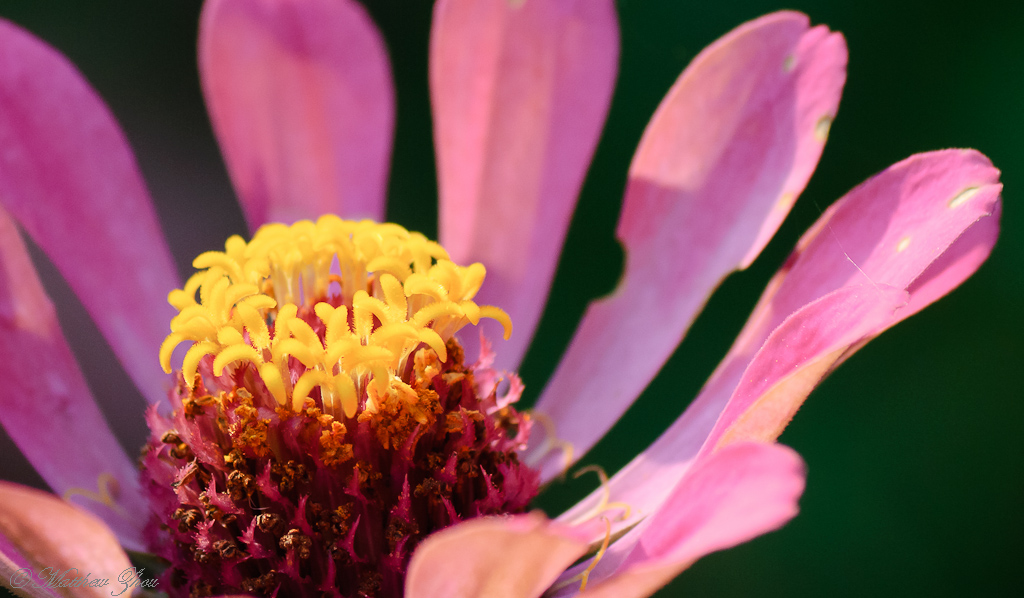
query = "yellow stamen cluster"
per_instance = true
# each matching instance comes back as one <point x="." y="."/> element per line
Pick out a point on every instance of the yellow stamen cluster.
<point x="378" y="290"/>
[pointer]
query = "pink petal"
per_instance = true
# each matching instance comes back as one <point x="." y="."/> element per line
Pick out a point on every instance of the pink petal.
<point x="48" y="532"/>
<point x="12" y="564"/>
<point x="515" y="557"/>
<point x="734" y="496"/>
<point x="69" y="178"/>
<point x="798" y="355"/>
<point x="854" y="247"/>
<point x="719" y="166"/>
<point x="957" y="262"/>
<point x="897" y="229"/>
<point x="520" y="91"/>
<point x="890" y="230"/>
<point x="300" y="95"/>
<point x="46" y="406"/>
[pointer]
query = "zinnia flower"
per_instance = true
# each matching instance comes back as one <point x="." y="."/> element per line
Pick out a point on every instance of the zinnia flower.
<point x="326" y="432"/>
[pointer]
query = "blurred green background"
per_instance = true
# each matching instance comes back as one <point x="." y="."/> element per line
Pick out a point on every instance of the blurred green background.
<point x="914" y="447"/>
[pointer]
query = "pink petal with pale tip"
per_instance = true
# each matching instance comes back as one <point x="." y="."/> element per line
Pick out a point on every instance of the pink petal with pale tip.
<point x="897" y="229"/>
<point x="49" y="532"/>
<point x="890" y="230"/>
<point x="69" y="178"/>
<point x="721" y="162"/>
<point x="514" y="557"/>
<point x="300" y="95"/>
<point x="855" y="245"/>
<point x="520" y="91"/>
<point x="47" y="408"/>
<point x="737" y="494"/>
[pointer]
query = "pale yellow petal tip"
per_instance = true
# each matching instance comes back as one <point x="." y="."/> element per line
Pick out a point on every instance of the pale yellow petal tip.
<point x="180" y="299"/>
<point x="166" y="349"/>
<point x="303" y="387"/>
<point x="435" y="342"/>
<point x="345" y="393"/>
<point x="190" y="365"/>
<point x="275" y="384"/>
<point x="498" y="314"/>
<point x="233" y="353"/>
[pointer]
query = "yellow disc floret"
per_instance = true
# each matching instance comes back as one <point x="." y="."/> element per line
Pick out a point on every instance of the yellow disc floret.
<point x="375" y="292"/>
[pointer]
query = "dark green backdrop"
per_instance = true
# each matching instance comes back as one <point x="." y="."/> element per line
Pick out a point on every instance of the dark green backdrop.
<point x="914" y="447"/>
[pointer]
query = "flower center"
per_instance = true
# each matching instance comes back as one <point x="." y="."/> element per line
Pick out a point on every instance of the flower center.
<point x="377" y="293"/>
<point x="324" y="418"/>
